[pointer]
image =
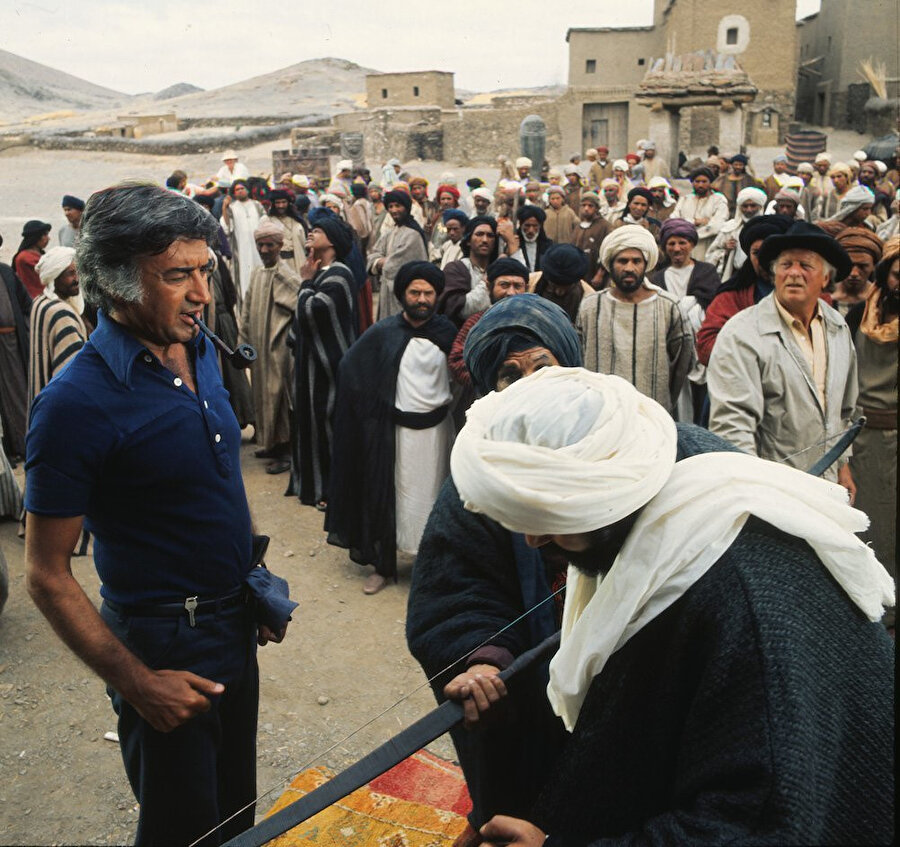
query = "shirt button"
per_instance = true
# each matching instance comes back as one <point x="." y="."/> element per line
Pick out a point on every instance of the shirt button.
<point x="178" y="381"/>
<point x="205" y="404"/>
<point x="218" y="438"/>
<point x="148" y="359"/>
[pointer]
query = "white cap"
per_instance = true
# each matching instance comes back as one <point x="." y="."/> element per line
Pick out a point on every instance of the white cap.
<point x="860" y="156"/>
<point x="300" y="180"/>
<point x="523" y="162"/>
<point x="229" y="154"/>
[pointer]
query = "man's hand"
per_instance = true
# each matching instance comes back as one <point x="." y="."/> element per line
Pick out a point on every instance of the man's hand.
<point x="264" y="635"/>
<point x="730" y="244"/>
<point x="167" y="699"/>
<point x="505" y="230"/>
<point x="309" y="268"/>
<point x="701" y="221"/>
<point x="515" y="832"/>
<point x="478" y="689"/>
<point x="845" y="478"/>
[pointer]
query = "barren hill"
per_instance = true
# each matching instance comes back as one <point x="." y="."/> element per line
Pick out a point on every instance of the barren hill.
<point x="29" y="89"/>
<point x="322" y="86"/>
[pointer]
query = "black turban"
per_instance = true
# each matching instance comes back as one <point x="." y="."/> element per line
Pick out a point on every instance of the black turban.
<point x="506" y="267"/>
<point x="564" y="264"/>
<point x="530" y="211"/>
<point x="761" y="227"/>
<point x="702" y="171"/>
<point x="302" y="203"/>
<point x="71" y="202"/>
<point x="412" y="271"/>
<point x="336" y="231"/>
<point x="640" y="191"/>
<point x="513" y="324"/>
<point x="740" y="157"/>
<point x="471" y="226"/>
<point x="359" y="189"/>
<point x="400" y="197"/>
<point x="279" y="194"/>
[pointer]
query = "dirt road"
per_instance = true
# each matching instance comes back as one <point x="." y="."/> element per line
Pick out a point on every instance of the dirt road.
<point x="343" y="662"/>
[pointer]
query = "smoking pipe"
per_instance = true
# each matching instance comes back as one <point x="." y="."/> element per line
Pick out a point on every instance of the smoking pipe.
<point x="241" y="357"/>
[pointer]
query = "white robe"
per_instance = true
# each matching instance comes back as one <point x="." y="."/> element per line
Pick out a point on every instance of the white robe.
<point x="422" y="457"/>
<point x="239" y="223"/>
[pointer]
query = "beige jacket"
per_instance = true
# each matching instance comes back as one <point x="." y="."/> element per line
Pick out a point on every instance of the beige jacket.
<point x="762" y="394"/>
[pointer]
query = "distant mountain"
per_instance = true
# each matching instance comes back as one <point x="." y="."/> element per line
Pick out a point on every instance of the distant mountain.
<point x="323" y="86"/>
<point x="29" y="89"/>
<point x="177" y="90"/>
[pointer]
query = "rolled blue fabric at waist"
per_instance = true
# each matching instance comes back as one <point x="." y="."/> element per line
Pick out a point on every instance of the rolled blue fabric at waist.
<point x="273" y="603"/>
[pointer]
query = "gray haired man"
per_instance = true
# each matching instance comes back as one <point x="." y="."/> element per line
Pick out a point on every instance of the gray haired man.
<point x="150" y="465"/>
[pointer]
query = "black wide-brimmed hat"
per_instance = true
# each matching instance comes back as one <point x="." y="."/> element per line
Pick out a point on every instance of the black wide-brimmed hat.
<point x="806" y="236"/>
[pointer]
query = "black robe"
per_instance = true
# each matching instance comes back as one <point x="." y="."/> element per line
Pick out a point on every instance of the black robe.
<point x="471" y="579"/>
<point x="324" y="327"/>
<point x="361" y="512"/>
<point x="757" y="709"/>
<point x="15" y="357"/>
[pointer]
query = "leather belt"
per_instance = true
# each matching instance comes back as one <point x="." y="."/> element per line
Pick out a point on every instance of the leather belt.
<point x="880" y="418"/>
<point x="6" y="330"/>
<point x="189" y="606"/>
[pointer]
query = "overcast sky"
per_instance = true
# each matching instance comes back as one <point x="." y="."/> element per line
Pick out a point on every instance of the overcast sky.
<point x="147" y="45"/>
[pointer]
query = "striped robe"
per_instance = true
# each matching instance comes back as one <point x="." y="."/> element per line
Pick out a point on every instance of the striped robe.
<point x="57" y="334"/>
<point x="324" y="329"/>
<point x="650" y="343"/>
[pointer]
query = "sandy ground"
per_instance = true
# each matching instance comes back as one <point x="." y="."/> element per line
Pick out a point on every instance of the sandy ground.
<point x="344" y="661"/>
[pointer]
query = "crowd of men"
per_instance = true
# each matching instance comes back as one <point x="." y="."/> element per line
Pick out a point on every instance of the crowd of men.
<point x="760" y="314"/>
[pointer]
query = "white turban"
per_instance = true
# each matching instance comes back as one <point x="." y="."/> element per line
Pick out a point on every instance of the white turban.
<point x="823" y="157"/>
<point x="523" y="162"/>
<point x="344" y="165"/>
<point x="658" y="182"/>
<point x="620" y="165"/>
<point x="756" y="195"/>
<point x="570" y="169"/>
<point x="860" y="156"/>
<point x="300" y="180"/>
<point x="624" y="237"/>
<point x="53" y="263"/>
<point x="563" y="451"/>
<point x="484" y="194"/>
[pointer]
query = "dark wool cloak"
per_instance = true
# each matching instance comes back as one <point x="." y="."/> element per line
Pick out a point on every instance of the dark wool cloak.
<point x="471" y="579"/>
<point x="324" y="328"/>
<point x="757" y="709"/>
<point x="361" y="497"/>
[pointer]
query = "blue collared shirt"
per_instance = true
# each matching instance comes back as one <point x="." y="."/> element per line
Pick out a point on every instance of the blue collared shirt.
<point x="153" y="467"/>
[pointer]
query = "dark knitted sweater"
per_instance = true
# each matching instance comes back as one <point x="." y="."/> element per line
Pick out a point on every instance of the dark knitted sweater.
<point x="756" y="709"/>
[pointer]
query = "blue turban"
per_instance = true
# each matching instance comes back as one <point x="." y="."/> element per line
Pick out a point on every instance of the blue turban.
<point x="339" y="234"/>
<point x="514" y="324"/>
<point x="455" y="215"/>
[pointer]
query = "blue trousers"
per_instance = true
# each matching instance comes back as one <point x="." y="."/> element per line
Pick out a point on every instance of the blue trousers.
<point x="189" y="780"/>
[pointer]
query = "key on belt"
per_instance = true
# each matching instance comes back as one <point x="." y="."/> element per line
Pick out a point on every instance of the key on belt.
<point x="190" y="604"/>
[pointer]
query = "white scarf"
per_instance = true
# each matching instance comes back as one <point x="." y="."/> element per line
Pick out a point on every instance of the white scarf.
<point x="681" y="533"/>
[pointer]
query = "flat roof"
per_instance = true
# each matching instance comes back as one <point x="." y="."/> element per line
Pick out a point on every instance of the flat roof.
<point x="572" y="29"/>
<point x="408" y="73"/>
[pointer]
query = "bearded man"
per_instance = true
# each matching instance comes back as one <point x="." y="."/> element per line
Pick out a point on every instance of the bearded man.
<point x="864" y="249"/>
<point x="57" y="330"/>
<point x="266" y="315"/>
<point x="393" y="428"/>
<point x="730" y="184"/>
<point x="633" y="328"/>
<point x="241" y="216"/>
<point x="398" y="245"/>
<point x="561" y="279"/>
<point x="282" y="210"/>
<point x="472" y="578"/>
<point x="691" y="629"/>
<point x="534" y="241"/>
<point x="592" y="229"/>
<point x="466" y="291"/>
<point x="725" y="252"/>
<point x="704" y="208"/>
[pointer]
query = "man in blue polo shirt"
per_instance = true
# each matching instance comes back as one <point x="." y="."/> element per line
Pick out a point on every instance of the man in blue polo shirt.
<point x="137" y="441"/>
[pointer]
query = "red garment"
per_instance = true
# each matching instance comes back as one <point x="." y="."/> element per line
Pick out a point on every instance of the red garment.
<point x="458" y="370"/>
<point x="25" y="262"/>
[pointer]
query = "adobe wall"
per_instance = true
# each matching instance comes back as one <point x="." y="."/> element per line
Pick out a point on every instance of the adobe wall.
<point x="422" y="88"/>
